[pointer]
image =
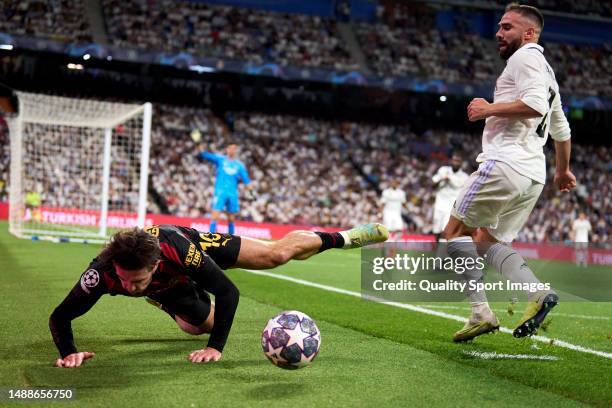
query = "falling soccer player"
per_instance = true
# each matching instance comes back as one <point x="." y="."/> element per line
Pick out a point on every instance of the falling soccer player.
<point x="176" y="268"/>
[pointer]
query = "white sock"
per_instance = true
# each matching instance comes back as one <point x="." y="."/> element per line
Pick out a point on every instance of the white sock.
<point x="347" y="240"/>
<point x="481" y="309"/>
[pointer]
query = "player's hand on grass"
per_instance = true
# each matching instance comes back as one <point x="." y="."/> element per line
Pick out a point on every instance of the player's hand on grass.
<point x="205" y="355"/>
<point x="565" y="181"/>
<point x="74" y="360"/>
<point x="477" y="109"/>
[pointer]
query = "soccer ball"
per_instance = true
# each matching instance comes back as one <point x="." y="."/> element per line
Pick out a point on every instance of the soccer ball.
<point x="291" y="340"/>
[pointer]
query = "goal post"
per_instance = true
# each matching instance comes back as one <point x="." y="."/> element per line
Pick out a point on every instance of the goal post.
<point x="79" y="167"/>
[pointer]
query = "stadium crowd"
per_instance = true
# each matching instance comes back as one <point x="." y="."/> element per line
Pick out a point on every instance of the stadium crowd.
<point x="229" y="32"/>
<point x="403" y="42"/>
<point x="310" y="171"/>
<point x="62" y="20"/>
<point x="589" y="7"/>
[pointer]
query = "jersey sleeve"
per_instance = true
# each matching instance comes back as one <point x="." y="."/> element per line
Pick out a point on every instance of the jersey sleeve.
<point x="456" y="180"/>
<point x="211" y="157"/>
<point x="559" y="126"/>
<point x="438" y="176"/>
<point x="530" y="79"/>
<point x="81" y="298"/>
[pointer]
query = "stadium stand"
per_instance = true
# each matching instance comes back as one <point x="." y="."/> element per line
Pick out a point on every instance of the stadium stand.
<point x="310" y="171"/>
<point x="315" y="171"/>
<point x="406" y="42"/>
<point x="62" y="20"/>
<point x="230" y="32"/>
<point x="588" y="7"/>
<point x="327" y="173"/>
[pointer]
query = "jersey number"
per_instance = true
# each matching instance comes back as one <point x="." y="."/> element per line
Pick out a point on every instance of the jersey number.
<point x="541" y="130"/>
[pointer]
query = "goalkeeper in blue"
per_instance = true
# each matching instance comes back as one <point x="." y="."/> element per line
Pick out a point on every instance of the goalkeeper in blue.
<point x="230" y="172"/>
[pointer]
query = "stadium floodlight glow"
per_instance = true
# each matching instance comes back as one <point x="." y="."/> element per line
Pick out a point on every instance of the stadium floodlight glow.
<point x="74" y="66"/>
<point x="200" y="68"/>
<point x="86" y="57"/>
<point x="7" y="47"/>
<point x="443" y="98"/>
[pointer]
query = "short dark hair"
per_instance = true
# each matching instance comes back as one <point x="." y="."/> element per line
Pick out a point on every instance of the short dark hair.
<point x="530" y="12"/>
<point x="132" y="249"/>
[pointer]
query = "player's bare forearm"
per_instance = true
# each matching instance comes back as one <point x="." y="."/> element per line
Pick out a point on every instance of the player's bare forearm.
<point x="562" y="155"/>
<point x="564" y="179"/>
<point x="481" y="109"/>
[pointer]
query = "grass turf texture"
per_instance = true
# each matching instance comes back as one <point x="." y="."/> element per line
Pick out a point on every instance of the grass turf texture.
<point x="371" y="353"/>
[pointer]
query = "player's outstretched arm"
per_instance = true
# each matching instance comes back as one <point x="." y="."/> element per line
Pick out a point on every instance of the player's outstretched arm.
<point x="211" y="157"/>
<point x="74" y="360"/>
<point x="77" y="303"/>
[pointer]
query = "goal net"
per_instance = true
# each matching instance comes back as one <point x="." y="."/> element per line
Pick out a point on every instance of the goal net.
<point x="79" y="167"/>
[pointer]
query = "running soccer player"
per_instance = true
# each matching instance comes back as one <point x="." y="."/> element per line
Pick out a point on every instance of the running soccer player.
<point x="580" y="232"/>
<point x="448" y="180"/>
<point x="496" y="200"/>
<point x="177" y="267"/>
<point x="393" y="198"/>
<point x="230" y="171"/>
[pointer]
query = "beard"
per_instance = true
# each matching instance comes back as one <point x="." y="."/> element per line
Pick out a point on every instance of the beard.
<point x="510" y="48"/>
<point x="455" y="168"/>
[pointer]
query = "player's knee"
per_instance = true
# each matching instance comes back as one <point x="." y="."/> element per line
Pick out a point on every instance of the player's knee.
<point x="275" y="255"/>
<point x="278" y="257"/>
<point x="196" y="330"/>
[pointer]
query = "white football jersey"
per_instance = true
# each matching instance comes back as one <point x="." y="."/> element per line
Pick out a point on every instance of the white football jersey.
<point x="393" y="199"/>
<point x="519" y="142"/>
<point x="581" y="230"/>
<point x="448" y="189"/>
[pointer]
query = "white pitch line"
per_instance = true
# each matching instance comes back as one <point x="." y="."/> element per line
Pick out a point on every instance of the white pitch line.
<point x="500" y="356"/>
<point x="553" y="313"/>
<point x="420" y="309"/>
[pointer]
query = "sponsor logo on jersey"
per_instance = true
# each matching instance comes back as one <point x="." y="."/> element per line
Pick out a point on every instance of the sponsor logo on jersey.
<point x="230" y="169"/>
<point x="194" y="257"/>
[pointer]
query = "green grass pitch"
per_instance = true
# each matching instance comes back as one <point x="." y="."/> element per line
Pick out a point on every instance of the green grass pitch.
<point x="371" y="354"/>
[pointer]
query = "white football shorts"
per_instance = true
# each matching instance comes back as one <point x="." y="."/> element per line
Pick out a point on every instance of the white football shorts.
<point x="497" y="198"/>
